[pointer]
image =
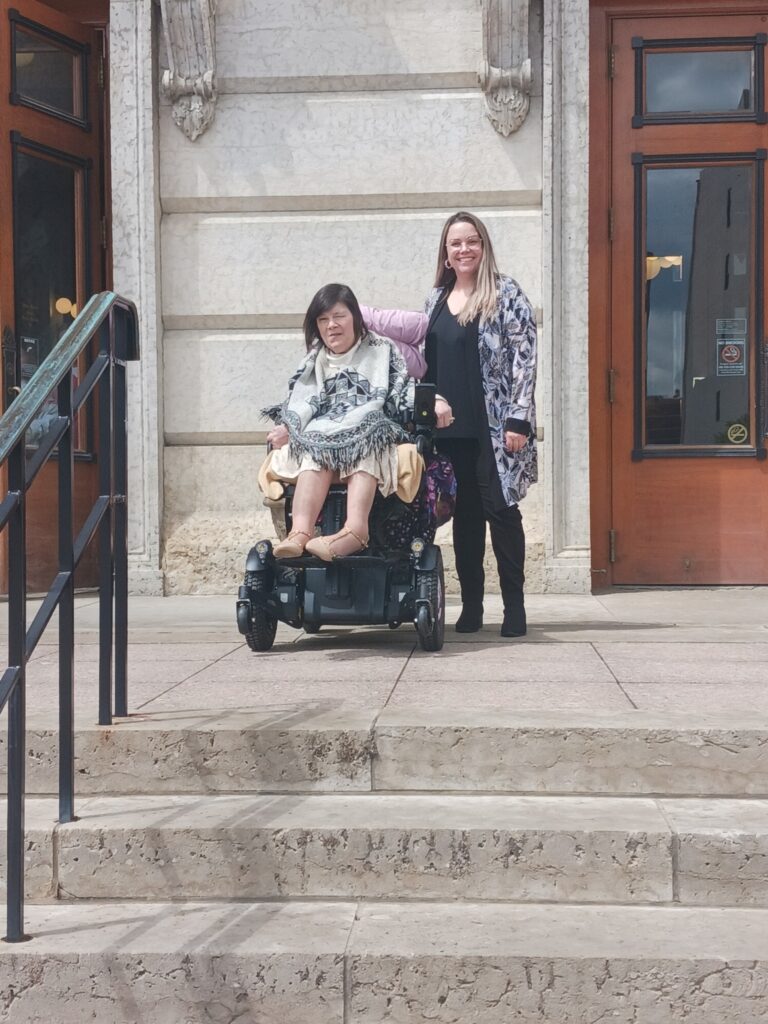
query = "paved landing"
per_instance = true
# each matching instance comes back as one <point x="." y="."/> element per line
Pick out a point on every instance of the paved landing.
<point x="648" y="650"/>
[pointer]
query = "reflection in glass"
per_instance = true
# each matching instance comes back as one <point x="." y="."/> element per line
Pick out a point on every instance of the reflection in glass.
<point x="698" y="275"/>
<point x="699" y="82"/>
<point x="45" y="254"/>
<point x="48" y="73"/>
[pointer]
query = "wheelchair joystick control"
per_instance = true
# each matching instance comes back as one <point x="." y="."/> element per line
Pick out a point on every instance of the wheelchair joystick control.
<point x="424" y="407"/>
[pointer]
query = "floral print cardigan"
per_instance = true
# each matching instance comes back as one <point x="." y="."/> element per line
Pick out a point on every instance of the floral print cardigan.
<point x="507" y="351"/>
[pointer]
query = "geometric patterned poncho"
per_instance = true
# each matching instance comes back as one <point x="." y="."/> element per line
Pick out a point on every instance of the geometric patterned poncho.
<point x="342" y="408"/>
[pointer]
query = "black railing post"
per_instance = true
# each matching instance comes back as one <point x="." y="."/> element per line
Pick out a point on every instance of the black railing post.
<point x="66" y="607"/>
<point x="17" y="639"/>
<point x="120" y="512"/>
<point x="106" y="566"/>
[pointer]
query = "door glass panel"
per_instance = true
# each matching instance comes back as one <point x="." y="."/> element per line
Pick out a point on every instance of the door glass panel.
<point x="45" y="261"/>
<point x="698" y="282"/>
<point x="699" y="82"/>
<point x="48" y="74"/>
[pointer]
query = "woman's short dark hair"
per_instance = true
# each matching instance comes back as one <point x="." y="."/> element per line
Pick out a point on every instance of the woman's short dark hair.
<point x="326" y="299"/>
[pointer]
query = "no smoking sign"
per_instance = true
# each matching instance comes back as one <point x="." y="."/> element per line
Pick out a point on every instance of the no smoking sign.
<point x="731" y="357"/>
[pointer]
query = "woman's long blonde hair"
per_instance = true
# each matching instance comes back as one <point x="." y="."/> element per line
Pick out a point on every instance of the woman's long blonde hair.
<point x="484" y="298"/>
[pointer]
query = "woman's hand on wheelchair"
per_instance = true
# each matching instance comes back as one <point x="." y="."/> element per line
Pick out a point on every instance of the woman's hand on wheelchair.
<point x="443" y="413"/>
<point x="278" y="436"/>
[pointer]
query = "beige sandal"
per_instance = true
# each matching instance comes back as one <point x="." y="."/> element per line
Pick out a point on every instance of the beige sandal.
<point x="322" y="547"/>
<point x="290" y="548"/>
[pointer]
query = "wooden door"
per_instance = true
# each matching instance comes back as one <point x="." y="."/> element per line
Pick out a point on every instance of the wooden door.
<point x="51" y="254"/>
<point x="677" y="313"/>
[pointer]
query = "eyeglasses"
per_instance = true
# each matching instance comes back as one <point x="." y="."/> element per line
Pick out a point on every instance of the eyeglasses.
<point x="465" y="243"/>
<point x="337" y="318"/>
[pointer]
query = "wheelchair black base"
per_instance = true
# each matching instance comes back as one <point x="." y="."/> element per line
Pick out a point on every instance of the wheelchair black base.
<point x="366" y="589"/>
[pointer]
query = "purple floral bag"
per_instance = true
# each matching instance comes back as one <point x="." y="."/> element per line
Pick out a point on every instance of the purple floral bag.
<point x="394" y="524"/>
<point x="441" y="489"/>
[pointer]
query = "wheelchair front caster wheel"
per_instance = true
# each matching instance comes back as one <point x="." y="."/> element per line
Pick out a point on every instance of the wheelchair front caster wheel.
<point x="394" y="625"/>
<point x="311" y="627"/>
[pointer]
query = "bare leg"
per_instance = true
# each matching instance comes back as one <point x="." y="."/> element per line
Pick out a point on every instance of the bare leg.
<point x="361" y="490"/>
<point x="311" y="491"/>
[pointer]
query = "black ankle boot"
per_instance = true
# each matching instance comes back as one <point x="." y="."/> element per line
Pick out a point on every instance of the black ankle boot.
<point x="514" y="623"/>
<point x="471" y="619"/>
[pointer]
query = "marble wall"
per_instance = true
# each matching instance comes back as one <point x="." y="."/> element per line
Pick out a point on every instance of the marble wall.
<point x="344" y="134"/>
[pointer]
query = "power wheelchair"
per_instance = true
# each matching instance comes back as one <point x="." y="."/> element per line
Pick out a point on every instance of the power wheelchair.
<point x="398" y="578"/>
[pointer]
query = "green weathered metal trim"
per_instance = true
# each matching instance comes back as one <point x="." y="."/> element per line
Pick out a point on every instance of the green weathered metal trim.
<point x="58" y="364"/>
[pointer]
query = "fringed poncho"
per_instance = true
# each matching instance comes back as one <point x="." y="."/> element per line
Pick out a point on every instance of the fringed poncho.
<point x="343" y="409"/>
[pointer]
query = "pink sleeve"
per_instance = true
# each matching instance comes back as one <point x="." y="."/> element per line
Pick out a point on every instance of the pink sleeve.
<point x="406" y="329"/>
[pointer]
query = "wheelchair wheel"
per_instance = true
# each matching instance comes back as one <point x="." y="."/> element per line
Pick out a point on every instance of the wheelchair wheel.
<point x="431" y="628"/>
<point x="261" y="635"/>
<point x="311" y="627"/>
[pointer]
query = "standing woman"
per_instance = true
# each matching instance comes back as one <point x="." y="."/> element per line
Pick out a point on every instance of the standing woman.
<point x="480" y="350"/>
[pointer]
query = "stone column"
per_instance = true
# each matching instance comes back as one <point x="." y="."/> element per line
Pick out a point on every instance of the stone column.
<point x="135" y="253"/>
<point x="566" y="280"/>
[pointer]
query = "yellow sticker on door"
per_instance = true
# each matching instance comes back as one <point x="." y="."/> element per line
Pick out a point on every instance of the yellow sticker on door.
<point x="737" y="433"/>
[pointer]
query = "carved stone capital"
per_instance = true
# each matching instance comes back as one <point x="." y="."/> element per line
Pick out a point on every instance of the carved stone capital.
<point x="506" y="74"/>
<point x="190" y="81"/>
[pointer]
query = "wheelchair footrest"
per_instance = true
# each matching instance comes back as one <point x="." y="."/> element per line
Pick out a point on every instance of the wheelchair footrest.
<point x="347" y="591"/>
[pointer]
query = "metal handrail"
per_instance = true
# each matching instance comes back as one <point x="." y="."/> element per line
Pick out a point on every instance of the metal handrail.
<point x="58" y="363"/>
<point x="113" y="321"/>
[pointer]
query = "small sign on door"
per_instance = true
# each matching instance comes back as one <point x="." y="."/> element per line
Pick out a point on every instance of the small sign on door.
<point x="731" y="357"/>
<point x="733" y="325"/>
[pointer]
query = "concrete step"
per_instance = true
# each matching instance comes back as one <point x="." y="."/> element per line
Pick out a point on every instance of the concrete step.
<point x="288" y="749"/>
<point x="559" y="965"/>
<point x="628" y="753"/>
<point x="132" y="963"/>
<point x="341" y="963"/>
<point x="297" y="749"/>
<point x="576" y="849"/>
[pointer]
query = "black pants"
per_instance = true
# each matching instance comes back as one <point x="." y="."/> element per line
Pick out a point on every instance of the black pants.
<point x="479" y="500"/>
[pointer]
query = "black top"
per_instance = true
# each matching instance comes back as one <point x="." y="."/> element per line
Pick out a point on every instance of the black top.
<point x="453" y="366"/>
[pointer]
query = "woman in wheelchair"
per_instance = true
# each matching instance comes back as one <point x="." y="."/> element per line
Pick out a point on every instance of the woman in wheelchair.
<point x="339" y="423"/>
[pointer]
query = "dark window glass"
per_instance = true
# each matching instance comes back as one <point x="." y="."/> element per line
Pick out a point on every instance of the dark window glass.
<point x="45" y="262"/>
<point x="48" y="74"/>
<point x="699" y="82"/>
<point x="698" y="281"/>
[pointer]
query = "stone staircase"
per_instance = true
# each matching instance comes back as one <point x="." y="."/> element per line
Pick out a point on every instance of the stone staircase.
<point x="406" y="866"/>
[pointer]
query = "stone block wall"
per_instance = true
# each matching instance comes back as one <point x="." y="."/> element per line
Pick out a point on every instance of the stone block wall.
<point x="344" y="134"/>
